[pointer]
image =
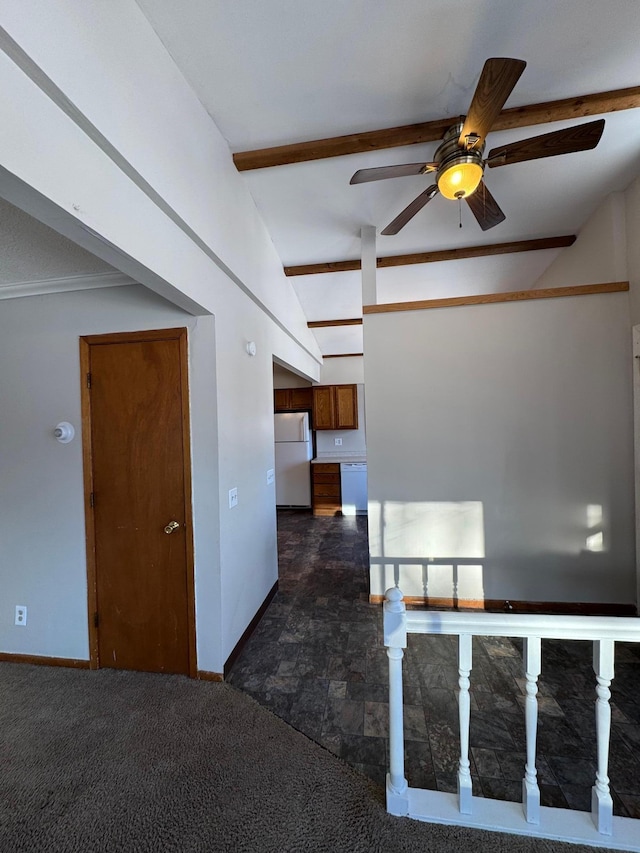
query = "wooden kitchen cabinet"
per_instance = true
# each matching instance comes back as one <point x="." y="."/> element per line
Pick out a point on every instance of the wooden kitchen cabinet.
<point x="332" y="406"/>
<point x="335" y="407"/>
<point x="346" y="406"/>
<point x="324" y="410"/>
<point x="325" y="486"/>
<point x="292" y="399"/>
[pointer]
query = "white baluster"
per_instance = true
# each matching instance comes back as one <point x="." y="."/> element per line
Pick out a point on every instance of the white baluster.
<point x="395" y="638"/>
<point x="465" y="792"/>
<point x="396" y="723"/>
<point x="530" y="789"/>
<point x="601" y="802"/>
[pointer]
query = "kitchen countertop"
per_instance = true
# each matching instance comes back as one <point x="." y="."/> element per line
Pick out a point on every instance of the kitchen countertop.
<point x="338" y="459"/>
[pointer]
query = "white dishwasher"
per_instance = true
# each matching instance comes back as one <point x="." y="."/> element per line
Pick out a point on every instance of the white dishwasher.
<point x="353" y="482"/>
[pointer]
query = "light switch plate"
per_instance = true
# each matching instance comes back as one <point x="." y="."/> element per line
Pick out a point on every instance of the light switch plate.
<point x="233" y="498"/>
<point x="271" y="475"/>
<point x="338" y="441"/>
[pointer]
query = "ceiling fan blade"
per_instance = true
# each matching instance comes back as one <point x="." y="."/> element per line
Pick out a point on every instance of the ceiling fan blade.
<point x="499" y="76"/>
<point x="485" y="208"/>
<point x="382" y="172"/>
<point x="580" y="138"/>
<point x="410" y="210"/>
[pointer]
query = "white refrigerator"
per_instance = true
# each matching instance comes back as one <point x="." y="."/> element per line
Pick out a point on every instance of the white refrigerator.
<point x="293" y="455"/>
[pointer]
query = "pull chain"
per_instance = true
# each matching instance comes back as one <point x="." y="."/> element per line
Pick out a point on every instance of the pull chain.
<point x="460" y="212"/>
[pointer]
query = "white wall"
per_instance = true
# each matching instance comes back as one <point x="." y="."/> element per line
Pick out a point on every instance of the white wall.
<point x="500" y="439"/>
<point x="599" y="252"/>
<point x="632" y="210"/>
<point x="342" y="371"/>
<point x="124" y="160"/>
<point x="42" y="552"/>
<point x="632" y="207"/>
<point x="126" y="150"/>
<point x="283" y="378"/>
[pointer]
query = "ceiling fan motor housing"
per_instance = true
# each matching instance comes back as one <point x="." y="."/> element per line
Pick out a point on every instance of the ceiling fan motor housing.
<point x="459" y="170"/>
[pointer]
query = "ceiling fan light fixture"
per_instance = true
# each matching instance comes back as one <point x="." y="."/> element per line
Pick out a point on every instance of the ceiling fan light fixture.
<point x="460" y="176"/>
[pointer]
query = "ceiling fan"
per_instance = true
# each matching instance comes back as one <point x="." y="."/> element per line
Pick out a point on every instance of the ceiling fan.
<point x="458" y="161"/>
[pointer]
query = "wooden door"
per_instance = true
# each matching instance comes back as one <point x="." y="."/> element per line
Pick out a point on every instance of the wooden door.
<point x="137" y="452"/>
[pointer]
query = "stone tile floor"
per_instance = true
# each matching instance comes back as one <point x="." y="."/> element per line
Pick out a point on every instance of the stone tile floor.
<point x="317" y="660"/>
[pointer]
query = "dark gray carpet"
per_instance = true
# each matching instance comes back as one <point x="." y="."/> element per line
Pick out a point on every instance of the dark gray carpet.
<point x="116" y="761"/>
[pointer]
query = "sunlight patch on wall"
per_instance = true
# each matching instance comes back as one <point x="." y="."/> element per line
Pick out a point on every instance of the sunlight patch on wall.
<point x="430" y="549"/>
<point x="428" y="530"/>
<point x="595" y="521"/>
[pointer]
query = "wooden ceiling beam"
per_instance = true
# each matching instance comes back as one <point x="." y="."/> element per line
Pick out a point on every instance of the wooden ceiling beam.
<point x="492" y="298"/>
<point x="440" y="255"/>
<point x="431" y="131"/>
<point x="320" y="324"/>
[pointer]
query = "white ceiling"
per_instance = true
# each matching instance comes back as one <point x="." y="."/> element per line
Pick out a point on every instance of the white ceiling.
<point x="289" y="70"/>
<point x="286" y="71"/>
<point x="294" y="70"/>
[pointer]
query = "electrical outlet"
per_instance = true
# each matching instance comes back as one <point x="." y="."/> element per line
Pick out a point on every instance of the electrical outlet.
<point x="21" y="614"/>
<point x="233" y="498"/>
<point x="271" y="475"/>
<point x="338" y="442"/>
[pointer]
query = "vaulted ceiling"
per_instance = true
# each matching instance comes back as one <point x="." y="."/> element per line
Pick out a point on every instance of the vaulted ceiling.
<point x="289" y="71"/>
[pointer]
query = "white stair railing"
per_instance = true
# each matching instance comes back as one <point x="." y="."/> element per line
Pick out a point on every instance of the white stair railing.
<point x="600" y="827"/>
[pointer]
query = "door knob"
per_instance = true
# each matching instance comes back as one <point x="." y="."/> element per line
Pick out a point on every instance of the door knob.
<point x="173" y="525"/>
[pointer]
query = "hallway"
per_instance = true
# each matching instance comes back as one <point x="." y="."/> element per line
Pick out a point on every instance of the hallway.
<point x="317" y="660"/>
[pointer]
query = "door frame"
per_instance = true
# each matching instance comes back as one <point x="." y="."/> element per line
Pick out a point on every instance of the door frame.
<point x="86" y="342"/>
